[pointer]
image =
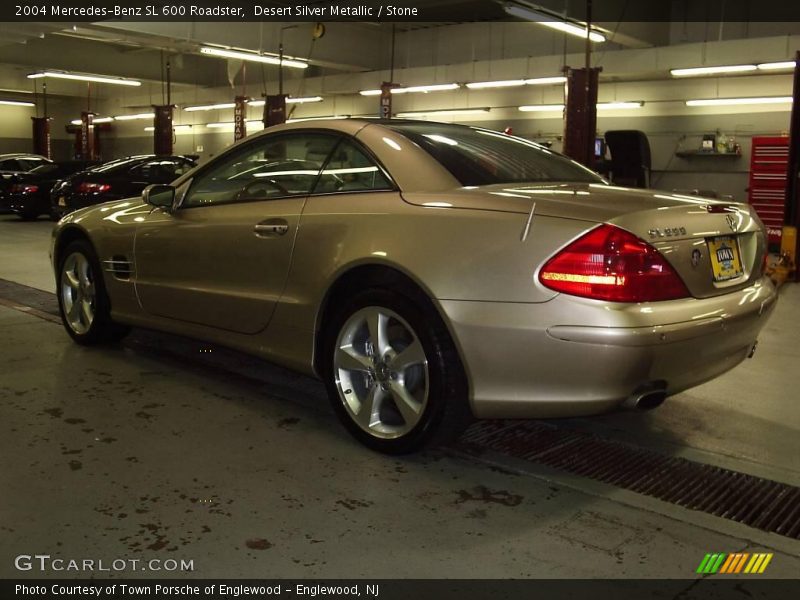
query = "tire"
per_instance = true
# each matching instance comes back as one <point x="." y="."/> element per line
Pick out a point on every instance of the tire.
<point x="82" y="299"/>
<point x="28" y="215"/>
<point x="415" y="385"/>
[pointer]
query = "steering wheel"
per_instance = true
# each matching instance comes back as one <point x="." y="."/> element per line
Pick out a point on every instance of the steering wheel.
<point x="248" y="191"/>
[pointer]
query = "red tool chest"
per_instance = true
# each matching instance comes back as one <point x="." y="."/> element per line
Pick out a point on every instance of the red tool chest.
<point x="769" y="161"/>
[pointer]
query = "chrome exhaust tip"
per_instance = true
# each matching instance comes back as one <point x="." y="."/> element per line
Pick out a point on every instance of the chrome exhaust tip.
<point x="647" y="397"/>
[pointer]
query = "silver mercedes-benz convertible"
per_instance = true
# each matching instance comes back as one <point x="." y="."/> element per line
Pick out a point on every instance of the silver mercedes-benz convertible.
<point x="427" y="273"/>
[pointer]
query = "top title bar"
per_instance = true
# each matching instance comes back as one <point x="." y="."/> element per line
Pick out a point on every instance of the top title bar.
<point x="603" y="11"/>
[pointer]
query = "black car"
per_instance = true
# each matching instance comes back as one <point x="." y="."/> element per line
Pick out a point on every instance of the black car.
<point x="28" y="194"/>
<point x="115" y="180"/>
<point x="13" y="164"/>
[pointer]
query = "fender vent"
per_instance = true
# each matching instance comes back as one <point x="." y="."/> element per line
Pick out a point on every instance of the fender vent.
<point x="119" y="266"/>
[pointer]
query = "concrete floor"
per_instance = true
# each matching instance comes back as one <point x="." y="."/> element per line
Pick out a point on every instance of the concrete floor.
<point x="141" y="451"/>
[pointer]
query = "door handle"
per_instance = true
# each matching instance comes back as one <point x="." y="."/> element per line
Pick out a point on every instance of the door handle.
<point x="271" y="228"/>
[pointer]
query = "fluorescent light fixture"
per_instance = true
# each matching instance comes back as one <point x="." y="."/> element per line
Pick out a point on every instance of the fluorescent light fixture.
<point x="253" y="56"/>
<point x="302" y="100"/>
<point x="94" y="121"/>
<point x="719" y="70"/>
<point x="480" y="85"/>
<point x="529" y="14"/>
<point x="209" y="107"/>
<point x="414" y="89"/>
<point x="290" y="100"/>
<point x="176" y="128"/>
<point x="740" y="101"/>
<point x="134" y="117"/>
<point x="774" y="66"/>
<point x="426" y="88"/>
<point x="445" y="112"/>
<point x="542" y="107"/>
<point x="600" y="106"/>
<point x="545" y="80"/>
<point x="86" y="77"/>
<point x="16" y="103"/>
<point x="618" y="105"/>
<point x="573" y="30"/>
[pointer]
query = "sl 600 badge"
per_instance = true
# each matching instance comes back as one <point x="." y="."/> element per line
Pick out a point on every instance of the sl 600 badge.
<point x="667" y="232"/>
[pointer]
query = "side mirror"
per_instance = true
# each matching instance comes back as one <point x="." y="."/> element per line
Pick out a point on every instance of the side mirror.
<point x="159" y="195"/>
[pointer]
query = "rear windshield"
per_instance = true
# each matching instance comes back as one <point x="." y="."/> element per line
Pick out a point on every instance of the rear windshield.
<point x="119" y="163"/>
<point x="483" y="157"/>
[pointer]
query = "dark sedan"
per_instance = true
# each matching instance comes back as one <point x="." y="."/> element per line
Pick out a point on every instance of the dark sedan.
<point x="12" y="165"/>
<point x="114" y="180"/>
<point x="28" y="194"/>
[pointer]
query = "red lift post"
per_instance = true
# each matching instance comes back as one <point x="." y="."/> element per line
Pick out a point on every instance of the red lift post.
<point x="41" y="130"/>
<point x="580" y="122"/>
<point x="240" y="118"/>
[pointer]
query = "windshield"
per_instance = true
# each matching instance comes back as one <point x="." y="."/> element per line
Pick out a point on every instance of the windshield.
<point x="45" y="169"/>
<point x="483" y="157"/>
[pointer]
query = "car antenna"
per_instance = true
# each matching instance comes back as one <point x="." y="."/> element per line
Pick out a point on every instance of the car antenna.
<point x="527" y="227"/>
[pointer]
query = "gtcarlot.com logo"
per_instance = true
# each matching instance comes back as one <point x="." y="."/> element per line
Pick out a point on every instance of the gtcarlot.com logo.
<point x="44" y="563"/>
<point x="734" y="564"/>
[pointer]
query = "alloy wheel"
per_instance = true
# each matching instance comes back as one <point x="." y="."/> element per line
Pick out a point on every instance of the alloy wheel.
<point x="78" y="293"/>
<point x="381" y="372"/>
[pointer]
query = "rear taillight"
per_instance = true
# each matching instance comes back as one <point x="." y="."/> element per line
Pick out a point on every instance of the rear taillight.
<point x="609" y="263"/>
<point x="88" y="187"/>
<point x="21" y="188"/>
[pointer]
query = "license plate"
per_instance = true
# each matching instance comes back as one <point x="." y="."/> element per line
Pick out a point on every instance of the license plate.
<point x="62" y="201"/>
<point x="726" y="262"/>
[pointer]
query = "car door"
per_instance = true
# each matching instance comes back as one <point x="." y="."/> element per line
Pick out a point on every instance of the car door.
<point x="221" y="259"/>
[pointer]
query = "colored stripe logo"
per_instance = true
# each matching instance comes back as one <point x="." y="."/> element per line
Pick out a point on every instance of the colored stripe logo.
<point x="734" y="564"/>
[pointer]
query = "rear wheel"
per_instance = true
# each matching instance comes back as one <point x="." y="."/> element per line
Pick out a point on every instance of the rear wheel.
<point x="82" y="299"/>
<point x="394" y="377"/>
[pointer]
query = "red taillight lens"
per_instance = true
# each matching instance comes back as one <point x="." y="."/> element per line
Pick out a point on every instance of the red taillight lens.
<point x="88" y="187"/>
<point x="609" y="263"/>
<point x="21" y="188"/>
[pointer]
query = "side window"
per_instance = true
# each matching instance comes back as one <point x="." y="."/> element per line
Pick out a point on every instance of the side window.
<point x="271" y="167"/>
<point x="350" y="170"/>
<point x="9" y="165"/>
<point x="28" y="164"/>
<point x="163" y="170"/>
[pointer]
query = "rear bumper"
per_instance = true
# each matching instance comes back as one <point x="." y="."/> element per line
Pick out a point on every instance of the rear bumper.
<point x="571" y="356"/>
<point x="26" y="204"/>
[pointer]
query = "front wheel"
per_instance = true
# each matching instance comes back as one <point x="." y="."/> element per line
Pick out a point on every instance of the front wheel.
<point x="394" y="377"/>
<point x="82" y="299"/>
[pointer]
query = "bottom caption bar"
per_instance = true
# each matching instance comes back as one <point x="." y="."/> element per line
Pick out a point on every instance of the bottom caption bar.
<point x="439" y="589"/>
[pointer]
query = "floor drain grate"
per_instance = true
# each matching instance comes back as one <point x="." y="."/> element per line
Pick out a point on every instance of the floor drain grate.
<point x="760" y="503"/>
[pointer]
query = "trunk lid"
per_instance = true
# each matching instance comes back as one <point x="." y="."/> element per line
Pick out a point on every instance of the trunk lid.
<point x="699" y="237"/>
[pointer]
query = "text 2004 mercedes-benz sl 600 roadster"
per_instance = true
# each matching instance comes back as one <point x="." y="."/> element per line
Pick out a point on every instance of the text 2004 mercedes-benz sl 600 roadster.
<point x="427" y="273"/>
